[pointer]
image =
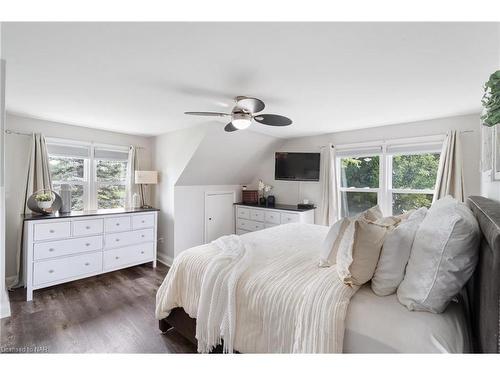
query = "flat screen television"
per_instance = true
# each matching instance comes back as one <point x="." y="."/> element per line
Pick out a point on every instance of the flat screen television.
<point x="296" y="166"/>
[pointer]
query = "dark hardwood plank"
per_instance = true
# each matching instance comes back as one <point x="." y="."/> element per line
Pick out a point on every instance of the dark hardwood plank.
<point x="110" y="313"/>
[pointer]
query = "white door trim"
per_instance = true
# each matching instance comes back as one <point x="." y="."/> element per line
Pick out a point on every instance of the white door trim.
<point x="208" y="194"/>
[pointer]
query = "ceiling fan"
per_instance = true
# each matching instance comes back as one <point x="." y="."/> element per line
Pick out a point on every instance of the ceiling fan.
<point x="244" y="112"/>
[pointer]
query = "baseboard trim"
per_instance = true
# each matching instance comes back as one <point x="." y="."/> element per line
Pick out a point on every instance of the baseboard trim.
<point x="164" y="259"/>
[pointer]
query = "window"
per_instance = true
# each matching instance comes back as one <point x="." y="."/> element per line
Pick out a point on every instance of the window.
<point x="397" y="177"/>
<point x="96" y="174"/>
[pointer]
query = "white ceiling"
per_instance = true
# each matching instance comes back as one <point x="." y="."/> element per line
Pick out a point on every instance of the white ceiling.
<point x="141" y="77"/>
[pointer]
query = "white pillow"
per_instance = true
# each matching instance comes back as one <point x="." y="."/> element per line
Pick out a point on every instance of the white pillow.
<point x="395" y="254"/>
<point x="359" y="250"/>
<point x="329" y="247"/>
<point x="443" y="257"/>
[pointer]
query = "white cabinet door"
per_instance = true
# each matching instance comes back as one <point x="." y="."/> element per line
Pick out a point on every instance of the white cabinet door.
<point x="219" y="215"/>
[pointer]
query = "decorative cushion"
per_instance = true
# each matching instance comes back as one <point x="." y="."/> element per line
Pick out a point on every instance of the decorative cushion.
<point x="329" y="248"/>
<point x="359" y="250"/>
<point x="395" y="254"/>
<point x="443" y="257"/>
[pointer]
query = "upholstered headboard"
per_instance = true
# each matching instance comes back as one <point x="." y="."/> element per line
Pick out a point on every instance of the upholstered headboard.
<point x="483" y="290"/>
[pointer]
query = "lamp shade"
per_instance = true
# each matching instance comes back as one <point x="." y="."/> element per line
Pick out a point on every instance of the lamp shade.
<point x="146" y="177"/>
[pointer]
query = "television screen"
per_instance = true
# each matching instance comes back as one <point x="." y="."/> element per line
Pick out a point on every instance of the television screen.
<point x="296" y="166"/>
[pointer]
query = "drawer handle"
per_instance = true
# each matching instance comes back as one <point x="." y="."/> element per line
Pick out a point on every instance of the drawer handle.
<point x="87" y="264"/>
<point x="142" y="235"/>
<point x="87" y="227"/>
<point x="143" y="221"/>
<point x="117" y="224"/>
<point x="51" y="231"/>
<point x="117" y="239"/>
<point x="87" y="244"/>
<point x="51" y="271"/>
<point x="142" y="252"/>
<point x="51" y="249"/>
<point x="117" y="257"/>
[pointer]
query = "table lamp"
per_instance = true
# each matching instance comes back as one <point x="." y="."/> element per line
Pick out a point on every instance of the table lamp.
<point x="145" y="178"/>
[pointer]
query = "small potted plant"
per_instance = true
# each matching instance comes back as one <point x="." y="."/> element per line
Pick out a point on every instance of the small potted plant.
<point x="44" y="200"/>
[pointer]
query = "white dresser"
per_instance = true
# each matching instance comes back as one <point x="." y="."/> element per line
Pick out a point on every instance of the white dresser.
<point x="252" y="218"/>
<point x="65" y="248"/>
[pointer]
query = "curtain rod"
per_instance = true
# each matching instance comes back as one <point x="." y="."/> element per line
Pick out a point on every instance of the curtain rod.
<point x="8" y="131"/>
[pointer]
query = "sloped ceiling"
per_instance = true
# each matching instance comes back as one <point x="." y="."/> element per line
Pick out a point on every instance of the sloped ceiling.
<point x="227" y="158"/>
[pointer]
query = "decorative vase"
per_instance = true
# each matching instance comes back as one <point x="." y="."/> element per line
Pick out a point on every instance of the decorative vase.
<point x="262" y="201"/>
<point x="66" y="199"/>
<point x="136" y="201"/>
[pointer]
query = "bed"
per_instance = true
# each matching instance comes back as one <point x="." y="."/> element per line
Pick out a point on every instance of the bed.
<point x="380" y="324"/>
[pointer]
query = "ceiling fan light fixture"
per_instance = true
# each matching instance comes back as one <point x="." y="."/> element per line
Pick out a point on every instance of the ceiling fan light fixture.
<point x="241" y="121"/>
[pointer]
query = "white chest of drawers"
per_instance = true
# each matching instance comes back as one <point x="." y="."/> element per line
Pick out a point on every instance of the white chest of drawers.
<point x="250" y="219"/>
<point x="58" y="250"/>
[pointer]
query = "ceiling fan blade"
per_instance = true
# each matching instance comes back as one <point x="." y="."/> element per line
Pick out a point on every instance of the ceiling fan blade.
<point x="273" y="120"/>
<point x="214" y="114"/>
<point x="252" y="105"/>
<point x="230" y="127"/>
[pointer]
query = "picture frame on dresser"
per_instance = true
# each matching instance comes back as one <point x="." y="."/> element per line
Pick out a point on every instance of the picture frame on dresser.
<point x="64" y="248"/>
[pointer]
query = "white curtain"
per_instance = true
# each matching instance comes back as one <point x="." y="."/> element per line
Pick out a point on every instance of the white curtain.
<point x="38" y="179"/>
<point x="328" y="178"/>
<point x="131" y="187"/>
<point x="450" y="177"/>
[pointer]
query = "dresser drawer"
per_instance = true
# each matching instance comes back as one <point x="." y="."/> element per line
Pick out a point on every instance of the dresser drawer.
<point x="242" y="213"/>
<point x="44" y="250"/>
<point x="113" y="240"/>
<point x="289" y="218"/>
<point x="249" y="225"/>
<point x="117" y="224"/>
<point x="51" y="231"/>
<point x="48" y="271"/>
<point x="87" y="227"/>
<point x="257" y="215"/>
<point x="129" y="255"/>
<point x="143" y="221"/>
<point x="272" y="217"/>
<point x="239" y="232"/>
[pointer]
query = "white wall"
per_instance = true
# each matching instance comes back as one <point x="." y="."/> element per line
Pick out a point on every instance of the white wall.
<point x="17" y="153"/>
<point x="172" y="152"/>
<point x="190" y="213"/>
<point x="292" y="192"/>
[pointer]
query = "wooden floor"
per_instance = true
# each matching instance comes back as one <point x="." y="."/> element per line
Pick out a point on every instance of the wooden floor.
<point x="102" y="314"/>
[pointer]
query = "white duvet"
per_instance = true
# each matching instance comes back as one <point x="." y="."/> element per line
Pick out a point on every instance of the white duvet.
<point x="284" y="302"/>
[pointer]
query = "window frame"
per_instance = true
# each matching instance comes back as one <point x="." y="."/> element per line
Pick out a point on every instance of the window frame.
<point x="90" y="183"/>
<point x="385" y="191"/>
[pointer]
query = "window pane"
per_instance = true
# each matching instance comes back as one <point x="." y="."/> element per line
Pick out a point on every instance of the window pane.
<point x="76" y="196"/>
<point x="66" y="169"/>
<point x="107" y="170"/>
<point x="353" y="203"/>
<point x="110" y="196"/>
<point x="359" y="172"/>
<point x="402" y="202"/>
<point x="414" y="171"/>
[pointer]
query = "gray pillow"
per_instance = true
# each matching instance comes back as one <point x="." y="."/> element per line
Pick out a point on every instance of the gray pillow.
<point x="443" y="257"/>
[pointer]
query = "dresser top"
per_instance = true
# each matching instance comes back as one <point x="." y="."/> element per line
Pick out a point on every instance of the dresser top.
<point x="285" y="207"/>
<point x="72" y="214"/>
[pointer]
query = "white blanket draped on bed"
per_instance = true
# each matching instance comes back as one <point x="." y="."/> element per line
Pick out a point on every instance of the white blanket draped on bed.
<point x="284" y="302"/>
